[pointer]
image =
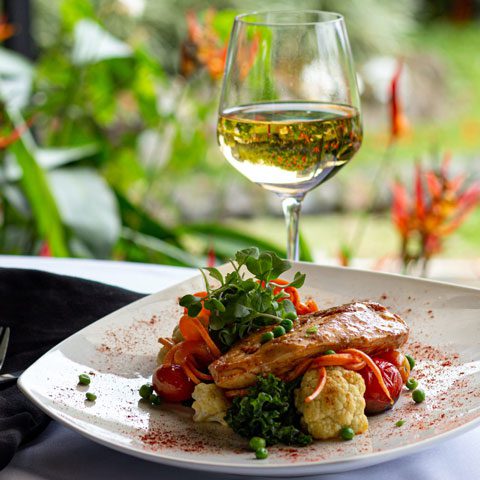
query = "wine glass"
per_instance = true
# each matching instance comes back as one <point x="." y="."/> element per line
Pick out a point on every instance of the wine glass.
<point x="289" y="115"/>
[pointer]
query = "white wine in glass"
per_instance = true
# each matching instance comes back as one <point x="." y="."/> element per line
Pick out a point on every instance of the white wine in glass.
<point x="289" y="114"/>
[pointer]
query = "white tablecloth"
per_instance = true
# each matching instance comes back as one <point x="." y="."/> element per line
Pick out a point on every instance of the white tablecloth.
<point x="59" y="454"/>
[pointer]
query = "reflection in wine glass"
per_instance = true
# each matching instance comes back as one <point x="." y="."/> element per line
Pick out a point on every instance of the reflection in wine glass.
<point x="289" y="114"/>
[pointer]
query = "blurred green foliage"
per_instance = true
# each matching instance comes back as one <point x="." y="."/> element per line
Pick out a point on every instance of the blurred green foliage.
<point x="118" y="124"/>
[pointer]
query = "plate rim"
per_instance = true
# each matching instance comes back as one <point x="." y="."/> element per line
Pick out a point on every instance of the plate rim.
<point x="295" y="469"/>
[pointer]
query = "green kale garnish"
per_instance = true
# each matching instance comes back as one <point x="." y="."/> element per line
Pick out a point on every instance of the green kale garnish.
<point x="244" y="303"/>
<point x="268" y="411"/>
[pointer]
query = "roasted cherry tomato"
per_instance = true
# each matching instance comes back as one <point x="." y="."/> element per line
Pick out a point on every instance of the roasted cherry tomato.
<point x="172" y="384"/>
<point x="399" y="360"/>
<point x="375" y="398"/>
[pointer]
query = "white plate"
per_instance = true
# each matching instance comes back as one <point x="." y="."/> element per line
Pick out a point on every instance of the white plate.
<point x="119" y="352"/>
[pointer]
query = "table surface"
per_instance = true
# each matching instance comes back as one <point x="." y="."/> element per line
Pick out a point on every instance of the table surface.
<point x="59" y="453"/>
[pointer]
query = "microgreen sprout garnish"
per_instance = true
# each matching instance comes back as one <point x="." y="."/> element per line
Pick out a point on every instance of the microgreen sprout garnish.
<point x="400" y="423"/>
<point x="242" y="304"/>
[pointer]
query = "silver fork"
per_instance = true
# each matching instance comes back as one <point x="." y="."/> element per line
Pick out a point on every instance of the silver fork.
<point x="4" y="339"/>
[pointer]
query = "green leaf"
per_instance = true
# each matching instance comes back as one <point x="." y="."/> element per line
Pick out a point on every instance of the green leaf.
<point x="92" y="44"/>
<point x="194" y="309"/>
<point x="37" y="190"/>
<point x="241" y="311"/>
<point x="169" y="252"/>
<point x="215" y="273"/>
<point x="137" y="219"/>
<point x="279" y="265"/>
<point x="226" y="240"/>
<point x="298" y="280"/>
<point x="88" y="207"/>
<point x="242" y="256"/>
<point x="188" y="300"/>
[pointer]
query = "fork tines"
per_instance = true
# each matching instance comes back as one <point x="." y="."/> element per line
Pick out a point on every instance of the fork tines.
<point x="4" y="338"/>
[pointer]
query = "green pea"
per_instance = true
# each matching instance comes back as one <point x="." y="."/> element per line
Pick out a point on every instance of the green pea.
<point x="266" y="337"/>
<point x="347" y="433"/>
<point x="290" y="316"/>
<point x="418" y="395"/>
<point x="312" y="329"/>
<point x="278" y="331"/>
<point x="155" y="399"/>
<point x="400" y="423"/>
<point x="145" y="391"/>
<point x="287" y="324"/>
<point x="256" y="443"/>
<point x="411" y="384"/>
<point x="84" y="379"/>
<point x="411" y="361"/>
<point x="91" y="397"/>
<point x="329" y="352"/>
<point x="261" y="453"/>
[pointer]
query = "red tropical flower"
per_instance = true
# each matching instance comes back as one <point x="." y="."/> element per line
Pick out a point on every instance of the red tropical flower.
<point x="439" y="206"/>
<point x="399" y="122"/>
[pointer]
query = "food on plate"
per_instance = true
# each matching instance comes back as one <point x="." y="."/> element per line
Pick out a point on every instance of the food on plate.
<point x="210" y="404"/>
<point x="340" y="403"/>
<point x="365" y="326"/>
<point x="252" y="355"/>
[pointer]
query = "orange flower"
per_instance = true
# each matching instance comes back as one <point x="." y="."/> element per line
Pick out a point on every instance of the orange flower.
<point x="438" y="208"/>
<point x="399" y="122"/>
<point x="203" y="47"/>
<point x="6" y="30"/>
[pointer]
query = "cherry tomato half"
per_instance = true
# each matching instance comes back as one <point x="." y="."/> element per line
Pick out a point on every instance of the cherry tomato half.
<point x="399" y="360"/>
<point x="172" y="384"/>
<point x="375" y="399"/>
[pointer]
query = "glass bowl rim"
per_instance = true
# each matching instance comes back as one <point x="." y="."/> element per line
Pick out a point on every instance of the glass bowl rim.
<point x="334" y="17"/>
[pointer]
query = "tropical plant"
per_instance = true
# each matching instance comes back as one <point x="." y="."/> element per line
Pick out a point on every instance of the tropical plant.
<point x="438" y="205"/>
<point x="109" y="133"/>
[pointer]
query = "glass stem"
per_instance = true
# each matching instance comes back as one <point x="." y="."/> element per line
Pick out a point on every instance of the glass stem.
<point x="291" y="210"/>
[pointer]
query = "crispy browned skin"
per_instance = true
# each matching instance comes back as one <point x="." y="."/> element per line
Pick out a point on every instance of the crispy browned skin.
<point x="368" y="326"/>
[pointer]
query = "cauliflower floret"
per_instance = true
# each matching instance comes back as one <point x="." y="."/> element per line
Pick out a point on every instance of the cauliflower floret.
<point x="340" y="404"/>
<point x="210" y="404"/>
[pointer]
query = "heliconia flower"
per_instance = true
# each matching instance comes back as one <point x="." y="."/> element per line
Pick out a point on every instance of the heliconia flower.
<point x="6" y="30"/>
<point x="437" y="209"/>
<point x="399" y="122"/>
<point x="45" y="250"/>
<point x="345" y="256"/>
<point x="211" y="258"/>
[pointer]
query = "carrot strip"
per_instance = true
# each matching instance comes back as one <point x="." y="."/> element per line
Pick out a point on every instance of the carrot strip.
<point x="198" y="373"/>
<point x="166" y="342"/>
<point x="210" y="343"/>
<point x="300" y="369"/>
<point x="190" y="374"/>
<point x="322" y="379"/>
<point x="355" y="366"/>
<point x="170" y="354"/>
<point x="312" y="306"/>
<point x="373" y="366"/>
<point x="334" y="360"/>
<point x="188" y="329"/>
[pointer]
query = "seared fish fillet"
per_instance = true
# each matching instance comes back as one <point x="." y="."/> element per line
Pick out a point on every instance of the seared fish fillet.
<point x="368" y="326"/>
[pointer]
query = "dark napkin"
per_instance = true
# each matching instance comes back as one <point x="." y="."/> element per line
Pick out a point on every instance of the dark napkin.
<point x="42" y="309"/>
